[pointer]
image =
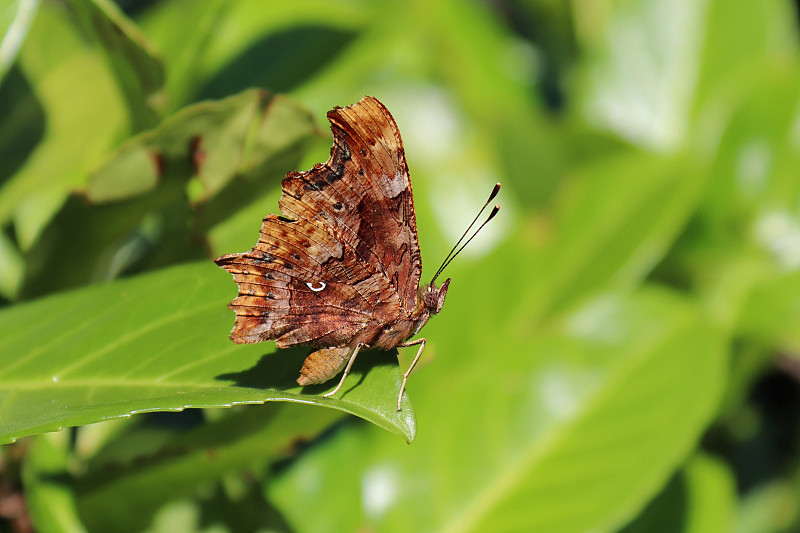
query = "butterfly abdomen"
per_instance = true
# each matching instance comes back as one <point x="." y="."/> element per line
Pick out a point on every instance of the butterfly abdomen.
<point x="322" y="365"/>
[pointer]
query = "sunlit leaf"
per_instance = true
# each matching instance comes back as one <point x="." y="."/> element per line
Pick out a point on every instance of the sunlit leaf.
<point x="211" y="140"/>
<point x="82" y="120"/>
<point x="11" y="268"/>
<point x="554" y="432"/>
<point x="15" y="18"/>
<point x="612" y="225"/>
<point x="159" y="343"/>
<point x="139" y="73"/>
<point x="640" y="82"/>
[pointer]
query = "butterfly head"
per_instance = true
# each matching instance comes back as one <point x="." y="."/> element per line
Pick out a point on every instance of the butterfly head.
<point x="433" y="296"/>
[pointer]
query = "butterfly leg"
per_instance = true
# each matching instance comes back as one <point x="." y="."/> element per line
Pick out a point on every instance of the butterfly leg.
<point x="421" y="342"/>
<point x="346" y="370"/>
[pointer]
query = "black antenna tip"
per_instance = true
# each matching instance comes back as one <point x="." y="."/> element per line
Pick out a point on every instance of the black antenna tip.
<point x="456" y="250"/>
<point x="494" y="192"/>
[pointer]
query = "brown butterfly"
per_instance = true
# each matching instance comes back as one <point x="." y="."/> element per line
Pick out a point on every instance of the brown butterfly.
<point x="339" y="270"/>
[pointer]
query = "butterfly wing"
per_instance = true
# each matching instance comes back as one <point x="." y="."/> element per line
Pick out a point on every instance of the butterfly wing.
<point x="344" y="260"/>
<point x="295" y="287"/>
<point x="362" y="195"/>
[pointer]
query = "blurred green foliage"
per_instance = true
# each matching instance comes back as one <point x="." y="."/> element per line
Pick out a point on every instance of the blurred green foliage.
<point x="619" y="348"/>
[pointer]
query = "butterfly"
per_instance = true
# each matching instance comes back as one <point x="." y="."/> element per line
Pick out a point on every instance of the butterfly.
<point x="339" y="270"/>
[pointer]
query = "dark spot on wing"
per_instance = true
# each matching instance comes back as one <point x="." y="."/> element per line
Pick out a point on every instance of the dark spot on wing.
<point x="263" y="258"/>
<point x="336" y="174"/>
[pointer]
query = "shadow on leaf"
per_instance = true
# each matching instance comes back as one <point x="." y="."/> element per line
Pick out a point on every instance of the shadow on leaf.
<point x="275" y="370"/>
<point x="281" y="368"/>
<point x="279" y="62"/>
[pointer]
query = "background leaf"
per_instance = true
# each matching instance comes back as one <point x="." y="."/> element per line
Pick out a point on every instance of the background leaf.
<point x="83" y="122"/>
<point x="49" y="498"/>
<point x="168" y="465"/>
<point x="15" y="19"/>
<point x="700" y="497"/>
<point x="139" y="73"/>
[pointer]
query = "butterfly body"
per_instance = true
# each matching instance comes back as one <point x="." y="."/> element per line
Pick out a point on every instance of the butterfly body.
<point x="340" y="268"/>
<point x="395" y="333"/>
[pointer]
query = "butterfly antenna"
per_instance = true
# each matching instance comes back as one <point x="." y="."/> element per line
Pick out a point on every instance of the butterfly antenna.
<point x="456" y="250"/>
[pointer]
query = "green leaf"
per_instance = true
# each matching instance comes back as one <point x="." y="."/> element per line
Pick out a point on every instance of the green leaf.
<point x="700" y="498"/>
<point x="279" y="48"/>
<point x="22" y="122"/>
<point x="138" y="216"/>
<point x="488" y="72"/>
<point x="11" y="268"/>
<point x="743" y="253"/>
<point x="771" y="311"/>
<point x="183" y="47"/>
<point x="190" y="136"/>
<point x="212" y="140"/>
<point x="754" y="171"/>
<point x="97" y="243"/>
<point x="741" y="38"/>
<point x="566" y="431"/>
<point x="15" y="19"/>
<point x="614" y="222"/>
<point x="712" y="491"/>
<point x="128" y="480"/>
<point x="50" y="500"/>
<point x="138" y="71"/>
<point x="158" y="342"/>
<point x="83" y="114"/>
<point x="769" y="508"/>
<point x="642" y="67"/>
